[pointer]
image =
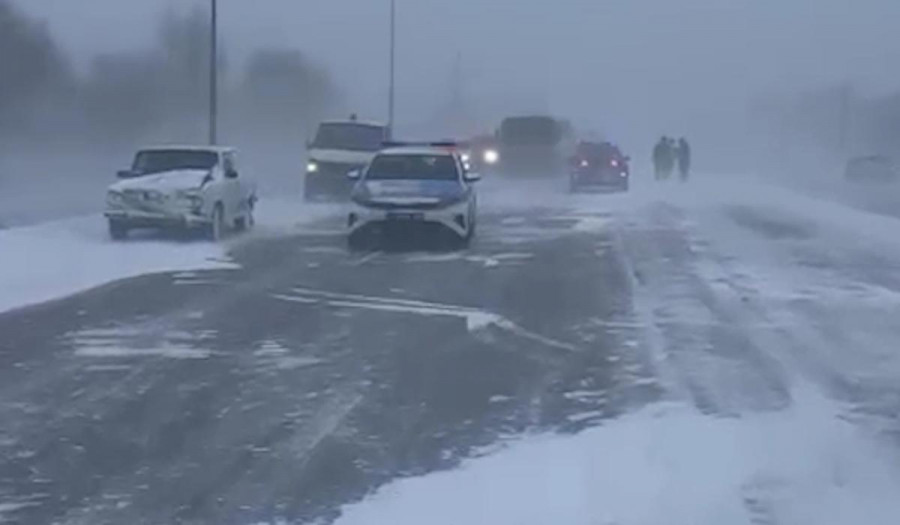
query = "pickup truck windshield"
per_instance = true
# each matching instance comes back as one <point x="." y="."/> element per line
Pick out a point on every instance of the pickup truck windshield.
<point x="349" y="136"/>
<point x="156" y="161"/>
<point x="413" y="167"/>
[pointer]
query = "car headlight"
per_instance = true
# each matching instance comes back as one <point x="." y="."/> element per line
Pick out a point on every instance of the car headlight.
<point x="466" y="157"/>
<point x="114" y="197"/>
<point x="491" y="156"/>
<point x="312" y="167"/>
<point x="154" y="196"/>
<point x="191" y="199"/>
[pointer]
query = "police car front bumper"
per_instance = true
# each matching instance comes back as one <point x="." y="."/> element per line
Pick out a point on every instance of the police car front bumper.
<point x="454" y="218"/>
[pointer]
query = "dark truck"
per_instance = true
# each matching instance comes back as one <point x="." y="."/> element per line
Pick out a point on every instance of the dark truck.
<point x="534" y="145"/>
<point x="340" y="146"/>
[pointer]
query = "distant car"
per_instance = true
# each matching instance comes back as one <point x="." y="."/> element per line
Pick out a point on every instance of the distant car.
<point x="425" y="188"/>
<point x="339" y="147"/>
<point x="181" y="187"/>
<point x="598" y="165"/>
<point x="872" y="168"/>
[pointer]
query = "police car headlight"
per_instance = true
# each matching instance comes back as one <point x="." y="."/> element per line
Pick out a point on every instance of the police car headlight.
<point x="491" y="156"/>
<point x="312" y="167"/>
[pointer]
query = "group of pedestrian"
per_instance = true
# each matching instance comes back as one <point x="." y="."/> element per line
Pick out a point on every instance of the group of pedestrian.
<point x="668" y="153"/>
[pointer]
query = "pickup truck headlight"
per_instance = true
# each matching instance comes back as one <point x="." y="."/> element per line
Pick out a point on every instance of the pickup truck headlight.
<point x="190" y="199"/>
<point x="114" y="198"/>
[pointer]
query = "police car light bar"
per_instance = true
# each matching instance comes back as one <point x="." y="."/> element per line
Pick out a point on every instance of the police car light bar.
<point x="402" y="144"/>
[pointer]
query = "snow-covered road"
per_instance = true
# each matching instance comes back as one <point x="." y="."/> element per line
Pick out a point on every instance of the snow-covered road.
<point x="702" y="354"/>
<point x="773" y="323"/>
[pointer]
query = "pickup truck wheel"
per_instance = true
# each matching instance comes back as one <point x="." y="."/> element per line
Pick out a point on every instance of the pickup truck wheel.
<point x="216" y="228"/>
<point x="117" y="230"/>
<point x="251" y="218"/>
<point x="247" y="221"/>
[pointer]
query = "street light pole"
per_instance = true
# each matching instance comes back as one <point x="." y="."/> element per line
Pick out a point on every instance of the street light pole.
<point x="214" y="73"/>
<point x="391" y="85"/>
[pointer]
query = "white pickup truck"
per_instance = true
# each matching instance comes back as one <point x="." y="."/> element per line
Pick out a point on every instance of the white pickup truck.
<point x="181" y="187"/>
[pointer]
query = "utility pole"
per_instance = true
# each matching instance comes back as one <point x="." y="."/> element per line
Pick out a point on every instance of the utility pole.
<point x="391" y="84"/>
<point x="844" y="117"/>
<point x="214" y="73"/>
<point x="458" y="114"/>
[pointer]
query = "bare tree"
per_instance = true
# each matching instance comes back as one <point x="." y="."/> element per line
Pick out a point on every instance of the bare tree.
<point x="32" y="68"/>
<point x="284" y="88"/>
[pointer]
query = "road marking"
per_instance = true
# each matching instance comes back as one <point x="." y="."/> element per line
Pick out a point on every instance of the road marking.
<point x="368" y="258"/>
<point x="475" y="319"/>
<point x="173" y="352"/>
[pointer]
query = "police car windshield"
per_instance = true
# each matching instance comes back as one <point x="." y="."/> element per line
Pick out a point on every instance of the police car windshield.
<point x="413" y="167"/>
<point x="157" y="161"/>
<point x="349" y="136"/>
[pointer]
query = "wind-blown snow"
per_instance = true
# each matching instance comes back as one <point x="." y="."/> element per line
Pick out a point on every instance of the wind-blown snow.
<point x="54" y="259"/>
<point x="808" y="461"/>
<point x="663" y="464"/>
<point x="51" y="260"/>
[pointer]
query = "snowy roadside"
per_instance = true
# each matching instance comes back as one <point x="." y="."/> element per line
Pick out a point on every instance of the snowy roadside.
<point x="55" y="259"/>
<point x="772" y="312"/>
<point x="663" y="464"/>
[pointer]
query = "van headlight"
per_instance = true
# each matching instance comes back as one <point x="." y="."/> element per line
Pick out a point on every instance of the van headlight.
<point x="491" y="156"/>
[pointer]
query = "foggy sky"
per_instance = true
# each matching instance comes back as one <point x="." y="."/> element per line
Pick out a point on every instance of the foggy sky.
<point x="632" y="65"/>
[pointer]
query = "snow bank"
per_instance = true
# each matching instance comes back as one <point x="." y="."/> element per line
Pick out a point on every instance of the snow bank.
<point x="55" y="259"/>
<point x="51" y="260"/>
<point x="665" y="464"/>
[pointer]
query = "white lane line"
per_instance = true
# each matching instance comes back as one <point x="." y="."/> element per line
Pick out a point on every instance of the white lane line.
<point x="296" y="299"/>
<point x="366" y="259"/>
<point x="475" y="319"/>
<point x="170" y="352"/>
<point x="366" y="298"/>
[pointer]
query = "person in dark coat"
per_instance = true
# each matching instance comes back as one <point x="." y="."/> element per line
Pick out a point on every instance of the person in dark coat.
<point x="662" y="158"/>
<point x="684" y="158"/>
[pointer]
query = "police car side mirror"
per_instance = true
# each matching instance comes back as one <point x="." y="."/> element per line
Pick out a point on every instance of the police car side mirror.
<point x="472" y="176"/>
<point x="354" y="174"/>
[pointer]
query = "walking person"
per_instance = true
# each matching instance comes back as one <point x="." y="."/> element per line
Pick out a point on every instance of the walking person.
<point x="684" y="159"/>
<point x="662" y="158"/>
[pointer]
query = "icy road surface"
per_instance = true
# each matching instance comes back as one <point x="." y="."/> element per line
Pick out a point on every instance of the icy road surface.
<point x="684" y="355"/>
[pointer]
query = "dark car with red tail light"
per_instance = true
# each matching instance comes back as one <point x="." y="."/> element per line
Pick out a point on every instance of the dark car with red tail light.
<point x="599" y="165"/>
